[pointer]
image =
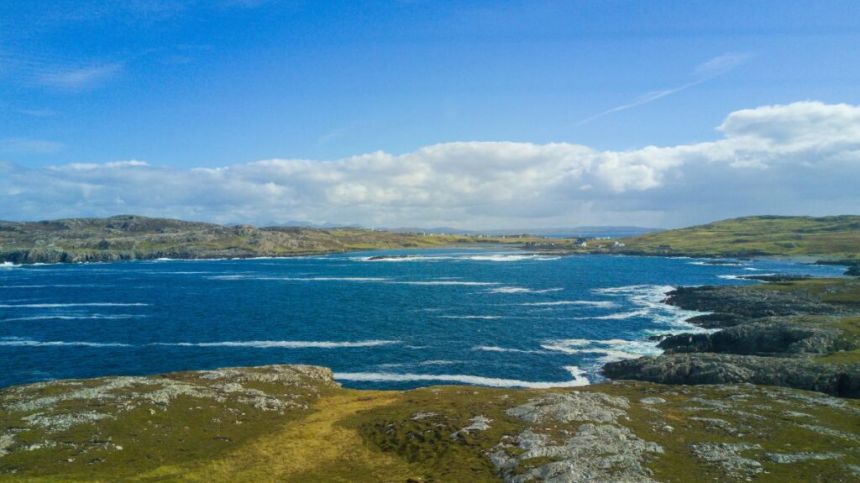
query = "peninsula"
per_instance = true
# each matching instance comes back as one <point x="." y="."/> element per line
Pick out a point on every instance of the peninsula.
<point x="771" y="393"/>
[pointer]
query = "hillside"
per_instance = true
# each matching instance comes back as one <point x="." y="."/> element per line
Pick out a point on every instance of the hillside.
<point x="130" y="237"/>
<point x="293" y="423"/>
<point x="831" y="237"/>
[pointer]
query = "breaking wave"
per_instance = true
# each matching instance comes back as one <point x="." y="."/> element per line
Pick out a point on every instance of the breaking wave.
<point x="53" y="306"/>
<point x="648" y="302"/>
<point x="611" y="349"/>
<point x="496" y="257"/>
<point x="591" y="303"/>
<point x="578" y="379"/>
<point x="299" y="279"/>
<point x="493" y="348"/>
<point x="19" y="342"/>
<point x="446" y="282"/>
<point x="515" y="290"/>
<point x="78" y="317"/>
<point x="481" y="317"/>
<point x="283" y="344"/>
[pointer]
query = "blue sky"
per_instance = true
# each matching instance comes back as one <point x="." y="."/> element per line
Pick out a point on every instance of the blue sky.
<point x="182" y="85"/>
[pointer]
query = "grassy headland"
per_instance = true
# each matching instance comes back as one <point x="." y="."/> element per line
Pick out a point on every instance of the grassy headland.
<point x="829" y="238"/>
<point x="292" y="423"/>
<point x="136" y="238"/>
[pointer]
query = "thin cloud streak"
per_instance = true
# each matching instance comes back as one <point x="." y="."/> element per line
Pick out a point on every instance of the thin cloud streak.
<point x="704" y="72"/>
<point x="81" y="78"/>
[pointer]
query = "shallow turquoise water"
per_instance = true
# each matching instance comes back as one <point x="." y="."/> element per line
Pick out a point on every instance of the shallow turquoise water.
<point x="483" y="316"/>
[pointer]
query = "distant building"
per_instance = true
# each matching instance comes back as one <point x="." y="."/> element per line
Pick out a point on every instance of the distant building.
<point x="581" y="242"/>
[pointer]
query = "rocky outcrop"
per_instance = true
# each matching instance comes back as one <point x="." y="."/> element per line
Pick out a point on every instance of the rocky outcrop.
<point x="761" y="338"/>
<point x="600" y="450"/>
<point x="708" y="368"/>
<point x="738" y="303"/>
<point x="770" y="334"/>
<point x="52" y="408"/>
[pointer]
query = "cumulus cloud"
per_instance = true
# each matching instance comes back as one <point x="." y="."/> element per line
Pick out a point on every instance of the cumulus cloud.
<point x="800" y="158"/>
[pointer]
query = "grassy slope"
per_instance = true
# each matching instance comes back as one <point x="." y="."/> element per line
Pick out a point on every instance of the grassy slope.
<point x="349" y="435"/>
<point x="843" y="293"/>
<point x="134" y="237"/>
<point x="833" y="237"/>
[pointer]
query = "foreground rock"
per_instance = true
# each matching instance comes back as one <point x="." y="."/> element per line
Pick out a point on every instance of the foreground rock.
<point x="705" y="368"/>
<point x="294" y="423"/>
<point x="794" y="332"/>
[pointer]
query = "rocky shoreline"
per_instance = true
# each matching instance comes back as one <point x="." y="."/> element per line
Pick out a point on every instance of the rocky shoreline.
<point x="789" y="331"/>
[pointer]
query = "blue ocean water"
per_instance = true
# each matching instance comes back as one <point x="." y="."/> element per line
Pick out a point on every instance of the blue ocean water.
<point x="487" y="316"/>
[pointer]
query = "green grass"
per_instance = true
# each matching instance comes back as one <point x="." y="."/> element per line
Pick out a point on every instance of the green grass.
<point x="833" y="237"/>
<point x="134" y="237"/>
<point x="351" y="435"/>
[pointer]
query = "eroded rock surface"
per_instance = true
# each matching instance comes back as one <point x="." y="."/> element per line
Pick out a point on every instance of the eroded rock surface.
<point x="599" y="449"/>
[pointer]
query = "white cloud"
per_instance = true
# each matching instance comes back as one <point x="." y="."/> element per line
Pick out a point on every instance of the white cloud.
<point x="704" y="72"/>
<point x="80" y="78"/>
<point x="801" y="158"/>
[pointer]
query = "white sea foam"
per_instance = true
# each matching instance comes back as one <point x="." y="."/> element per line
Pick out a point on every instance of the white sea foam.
<point x="481" y="317"/>
<point x="299" y="279"/>
<point x="93" y="304"/>
<point x="283" y="344"/>
<point x="65" y="285"/>
<point x="446" y="282"/>
<point x="438" y="362"/>
<point x="435" y="362"/>
<point x="730" y="277"/>
<point x="20" y="342"/>
<point x="592" y="303"/>
<point x="623" y="315"/>
<point x="490" y="257"/>
<point x="648" y="302"/>
<point x="78" y="317"/>
<point x="493" y="348"/>
<point x="8" y="265"/>
<point x="611" y="349"/>
<point x="578" y="379"/>
<point x="515" y="290"/>
<point x="743" y="277"/>
<point x="510" y="257"/>
<point x="397" y="259"/>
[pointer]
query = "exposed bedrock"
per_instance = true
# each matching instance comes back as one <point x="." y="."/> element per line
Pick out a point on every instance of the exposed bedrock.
<point x="734" y="304"/>
<point x="709" y="368"/>
<point x="761" y="338"/>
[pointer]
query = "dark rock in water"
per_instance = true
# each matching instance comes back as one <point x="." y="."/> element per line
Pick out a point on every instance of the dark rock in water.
<point x="386" y="257"/>
<point x="716" y="320"/>
<point x="705" y="368"/>
<point x="763" y="338"/>
<point x="742" y="302"/>
<point x="775" y="278"/>
<point x="853" y="271"/>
